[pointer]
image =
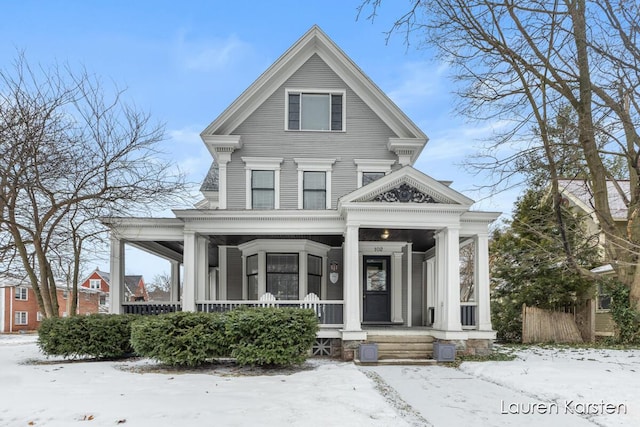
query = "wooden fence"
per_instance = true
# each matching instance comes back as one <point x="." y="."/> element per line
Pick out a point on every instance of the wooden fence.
<point x="540" y="326"/>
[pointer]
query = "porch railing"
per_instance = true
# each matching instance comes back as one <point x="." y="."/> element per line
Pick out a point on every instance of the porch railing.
<point x="468" y="314"/>
<point x="145" y="307"/>
<point x="329" y="312"/>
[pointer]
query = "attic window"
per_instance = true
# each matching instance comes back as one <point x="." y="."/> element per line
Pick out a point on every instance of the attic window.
<point x="315" y="110"/>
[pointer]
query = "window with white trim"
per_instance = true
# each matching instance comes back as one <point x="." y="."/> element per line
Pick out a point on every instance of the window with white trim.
<point x="94" y="283"/>
<point x="314" y="190"/>
<point x="314" y="183"/>
<point x="604" y="299"/>
<point x="22" y="293"/>
<point x="314" y="275"/>
<point x="315" y="110"/>
<point x="21" y="318"/>
<point x="263" y="182"/>
<point x="263" y="190"/>
<point x="252" y="277"/>
<point x="370" y="170"/>
<point x="39" y="317"/>
<point x="282" y="276"/>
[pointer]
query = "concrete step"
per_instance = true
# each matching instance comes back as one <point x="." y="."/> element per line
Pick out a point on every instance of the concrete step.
<point x="400" y="338"/>
<point x="412" y="346"/>
<point x="420" y="362"/>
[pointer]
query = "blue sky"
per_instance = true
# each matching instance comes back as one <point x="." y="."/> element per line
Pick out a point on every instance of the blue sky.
<point x="186" y="61"/>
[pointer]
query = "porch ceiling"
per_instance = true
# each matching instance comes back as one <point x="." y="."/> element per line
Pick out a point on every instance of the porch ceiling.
<point x="422" y="240"/>
<point x="234" y="240"/>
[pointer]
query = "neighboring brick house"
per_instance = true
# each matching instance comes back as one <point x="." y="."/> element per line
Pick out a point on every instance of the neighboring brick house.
<point x="135" y="288"/>
<point x="19" y="306"/>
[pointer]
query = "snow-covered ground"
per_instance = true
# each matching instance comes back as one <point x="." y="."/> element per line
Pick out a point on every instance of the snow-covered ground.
<point x="557" y="385"/>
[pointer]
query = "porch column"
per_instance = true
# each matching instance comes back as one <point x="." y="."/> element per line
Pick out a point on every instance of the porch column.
<point x="175" y="282"/>
<point x="352" y="329"/>
<point x="448" y="280"/>
<point x="396" y="288"/>
<point x="202" y="265"/>
<point x="222" y="273"/>
<point x="190" y="271"/>
<point x="116" y="265"/>
<point x="482" y="281"/>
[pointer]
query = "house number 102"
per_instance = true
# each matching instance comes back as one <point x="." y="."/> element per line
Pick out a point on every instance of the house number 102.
<point x="377" y="249"/>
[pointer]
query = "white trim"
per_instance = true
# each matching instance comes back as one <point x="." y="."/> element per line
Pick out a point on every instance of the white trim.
<point x="262" y="164"/>
<point x="314" y="165"/>
<point x="315" y="91"/>
<point x="372" y="165"/>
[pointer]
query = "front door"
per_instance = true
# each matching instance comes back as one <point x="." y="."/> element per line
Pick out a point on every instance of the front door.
<point x="376" y="284"/>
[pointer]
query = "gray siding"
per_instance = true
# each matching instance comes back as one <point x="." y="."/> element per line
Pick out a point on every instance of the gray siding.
<point x="263" y="135"/>
<point x="234" y="274"/>
<point x="334" y="291"/>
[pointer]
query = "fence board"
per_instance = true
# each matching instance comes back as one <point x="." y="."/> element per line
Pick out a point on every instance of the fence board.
<point x="540" y="326"/>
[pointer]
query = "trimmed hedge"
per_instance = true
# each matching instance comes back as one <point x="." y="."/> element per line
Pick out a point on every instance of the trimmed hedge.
<point x="254" y="336"/>
<point x="104" y="336"/>
<point x="271" y="336"/>
<point x="181" y="338"/>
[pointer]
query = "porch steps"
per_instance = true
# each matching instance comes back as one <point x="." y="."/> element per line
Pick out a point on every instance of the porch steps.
<point x="403" y="349"/>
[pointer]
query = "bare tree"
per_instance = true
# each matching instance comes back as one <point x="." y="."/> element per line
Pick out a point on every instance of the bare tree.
<point x="522" y="62"/>
<point x="70" y="153"/>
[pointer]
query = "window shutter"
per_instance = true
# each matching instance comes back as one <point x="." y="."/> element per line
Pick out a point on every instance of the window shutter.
<point x="336" y="112"/>
<point x="294" y="111"/>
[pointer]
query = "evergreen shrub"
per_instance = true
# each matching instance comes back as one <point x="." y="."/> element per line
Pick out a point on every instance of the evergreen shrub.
<point x="271" y="336"/>
<point x="103" y="336"/>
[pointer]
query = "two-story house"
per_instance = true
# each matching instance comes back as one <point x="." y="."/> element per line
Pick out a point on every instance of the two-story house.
<point x="312" y="200"/>
<point x="99" y="281"/>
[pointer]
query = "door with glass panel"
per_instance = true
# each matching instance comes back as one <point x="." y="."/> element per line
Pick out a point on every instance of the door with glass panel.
<point x="376" y="281"/>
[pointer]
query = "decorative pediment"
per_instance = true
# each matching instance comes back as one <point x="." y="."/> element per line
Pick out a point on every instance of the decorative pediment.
<point x="407" y="185"/>
<point x="404" y="193"/>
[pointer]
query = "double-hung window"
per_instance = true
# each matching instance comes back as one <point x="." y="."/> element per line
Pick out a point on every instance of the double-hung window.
<point x="314" y="183"/>
<point x="314" y="192"/>
<point x="21" y="293"/>
<point x="370" y="170"/>
<point x="263" y="190"/>
<point x="252" y="277"/>
<point x="314" y="275"/>
<point x="263" y="182"/>
<point x="21" y="318"/>
<point x="316" y="110"/>
<point x="94" y="284"/>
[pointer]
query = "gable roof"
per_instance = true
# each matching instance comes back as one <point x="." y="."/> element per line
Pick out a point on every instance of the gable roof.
<point x="426" y="189"/>
<point x="579" y="192"/>
<point x="314" y="41"/>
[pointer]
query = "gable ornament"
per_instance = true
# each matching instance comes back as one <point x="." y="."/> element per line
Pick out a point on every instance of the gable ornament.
<point x="404" y="193"/>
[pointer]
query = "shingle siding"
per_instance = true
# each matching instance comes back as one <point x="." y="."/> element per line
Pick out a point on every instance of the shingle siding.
<point x="263" y="135"/>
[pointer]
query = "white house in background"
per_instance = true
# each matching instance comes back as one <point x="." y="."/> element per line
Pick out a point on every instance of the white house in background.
<point x="312" y="200"/>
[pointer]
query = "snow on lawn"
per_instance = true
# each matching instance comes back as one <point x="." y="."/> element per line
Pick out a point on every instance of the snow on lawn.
<point x="38" y="391"/>
<point x="543" y="386"/>
<point x="574" y="379"/>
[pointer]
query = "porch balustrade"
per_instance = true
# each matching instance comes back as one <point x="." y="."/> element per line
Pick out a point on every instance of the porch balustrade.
<point x="469" y="315"/>
<point x="145" y="307"/>
<point x="329" y="312"/>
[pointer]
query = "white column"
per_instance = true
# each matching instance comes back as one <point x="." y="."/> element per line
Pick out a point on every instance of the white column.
<point x="396" y="287"/>
<point x="351" y="284"/>
<point x="302" y="275"/>
<point x="448" y="280"/>
<point x="116" y="262"/>
<point x="190" y="271"/>
<point x="223" y="157"/>
<point x="483" y="297"/>
<point x="175" y="281"/>
<point x="409" y="283"/>
<point x="202" y="267"/>
<point x="222" y="270"/>
<point x="430" y="294"/>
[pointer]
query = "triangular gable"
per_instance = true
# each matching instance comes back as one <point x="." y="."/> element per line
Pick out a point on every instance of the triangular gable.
<point x="407" y="185"/>
<point x="314" y="41"/>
